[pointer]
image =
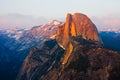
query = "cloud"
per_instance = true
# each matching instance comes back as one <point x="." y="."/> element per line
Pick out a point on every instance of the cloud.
<point x="108" y="22"/>
<point x="21" y="21"/>
<point x="26" y="21"/>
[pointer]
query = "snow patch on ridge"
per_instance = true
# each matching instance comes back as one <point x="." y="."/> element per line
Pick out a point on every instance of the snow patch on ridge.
<point x="53" y="37"/>
<point x="61" y="46"/>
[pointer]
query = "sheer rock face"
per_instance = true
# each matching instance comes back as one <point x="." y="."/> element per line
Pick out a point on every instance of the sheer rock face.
<point x="77" y="25"/>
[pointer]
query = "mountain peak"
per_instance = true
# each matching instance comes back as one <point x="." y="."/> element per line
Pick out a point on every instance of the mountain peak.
<point x="54" y="22"/>
<point x="77" y="24"/>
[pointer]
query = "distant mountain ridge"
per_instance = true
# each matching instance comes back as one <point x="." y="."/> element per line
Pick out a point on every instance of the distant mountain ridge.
<point x="19" y="42"/>
<point x="117" y="30"/>
<point x="35" y="34"/>
<point x="111" y="40"/>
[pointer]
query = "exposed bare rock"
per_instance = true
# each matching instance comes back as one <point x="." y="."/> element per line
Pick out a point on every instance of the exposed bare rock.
<point x="75" y="54"/>
<point x="77" y="25"/>
<point x="87" y="61"/>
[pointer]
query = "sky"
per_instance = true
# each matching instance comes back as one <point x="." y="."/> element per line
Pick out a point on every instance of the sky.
<point x="28" y="13"/>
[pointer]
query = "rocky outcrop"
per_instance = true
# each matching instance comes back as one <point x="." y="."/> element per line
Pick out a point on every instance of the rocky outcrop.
<point x="75" y="54"/>
<point x="77" y="25"/>
<point x="87" y="61"/>
<point x="41" y="60"/>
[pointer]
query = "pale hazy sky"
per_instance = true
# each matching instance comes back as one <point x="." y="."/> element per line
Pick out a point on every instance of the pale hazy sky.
<point x="56" y="9"/>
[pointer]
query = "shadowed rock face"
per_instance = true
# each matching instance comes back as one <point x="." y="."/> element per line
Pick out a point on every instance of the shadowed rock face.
<point x="87" y="61"/>
<point x="77" y="25"/>
<point x="41" y="60"/>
